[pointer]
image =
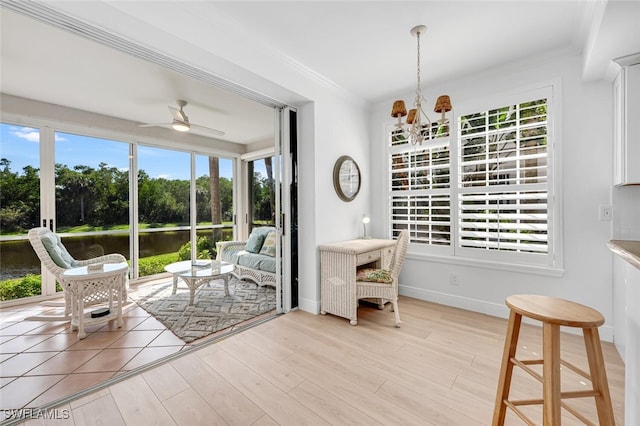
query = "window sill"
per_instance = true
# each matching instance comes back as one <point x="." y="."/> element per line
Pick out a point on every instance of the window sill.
<point x="488" y="264"/>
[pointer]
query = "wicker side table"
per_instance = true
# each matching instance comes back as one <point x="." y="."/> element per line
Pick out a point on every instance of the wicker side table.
<point x="92" y="287"/>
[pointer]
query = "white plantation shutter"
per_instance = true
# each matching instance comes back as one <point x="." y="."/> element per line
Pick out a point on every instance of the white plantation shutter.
<point x="420" y="195"/>
<point x="512" y="221"/>
<point x="427" y="216"/>
<point x="503" y="186"/>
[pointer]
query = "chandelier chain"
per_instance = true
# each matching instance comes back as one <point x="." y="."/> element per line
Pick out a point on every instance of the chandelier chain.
<point x="418" y="88"/>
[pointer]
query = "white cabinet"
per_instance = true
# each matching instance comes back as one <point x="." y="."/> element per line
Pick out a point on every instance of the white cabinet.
<point x="626" y="320"/>
<point x="628" y="278"/>
<point x="626" y="98"/>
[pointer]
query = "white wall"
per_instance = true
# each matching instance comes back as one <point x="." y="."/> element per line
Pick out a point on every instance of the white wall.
<point x="328" y="128"/>
<point x="585" y="143"/>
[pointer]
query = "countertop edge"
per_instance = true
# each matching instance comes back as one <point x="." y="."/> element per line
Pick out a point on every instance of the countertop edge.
<point x="629" y="250"/>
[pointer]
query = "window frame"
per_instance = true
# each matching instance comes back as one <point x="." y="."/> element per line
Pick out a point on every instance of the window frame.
<point x="550" y="264"/>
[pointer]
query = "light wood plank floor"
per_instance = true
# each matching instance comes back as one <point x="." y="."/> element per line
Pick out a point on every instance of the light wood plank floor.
<point x="440" y="368"/>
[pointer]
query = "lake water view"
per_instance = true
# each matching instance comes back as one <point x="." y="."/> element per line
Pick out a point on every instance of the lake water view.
<point x="18" y="259"/>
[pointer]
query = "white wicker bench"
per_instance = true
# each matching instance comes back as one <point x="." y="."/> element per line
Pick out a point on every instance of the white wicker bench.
<point x="241" y="272"/>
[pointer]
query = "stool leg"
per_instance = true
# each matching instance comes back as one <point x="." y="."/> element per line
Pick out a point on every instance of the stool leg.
<point x="598" y="376"/>
<point x="506" y="371"/>
<point x="551" y="374"/>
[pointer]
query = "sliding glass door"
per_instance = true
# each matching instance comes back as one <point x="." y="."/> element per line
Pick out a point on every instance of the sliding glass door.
<point x="180" y="219"/>
<point x="272" y="200"/>
<point x="164" y="182"/>
<point x="262" y="193"/>
<point x="214" y="202"/>
<point x="19" y="210"/>
<point x="92" y="195"/>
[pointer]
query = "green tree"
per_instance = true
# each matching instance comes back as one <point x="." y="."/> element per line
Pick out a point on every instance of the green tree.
<point x="226" y="199"/>
<point x="19" y="198"/>
<point x="100" y="197"/>
<point x="111" y="193"/>
<point x="74" y="197"/>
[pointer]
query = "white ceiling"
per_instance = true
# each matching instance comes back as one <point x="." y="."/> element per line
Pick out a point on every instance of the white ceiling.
<point x="367" y="47"/>
<point x="51" y="65"/>
<point x="362" y="47"/>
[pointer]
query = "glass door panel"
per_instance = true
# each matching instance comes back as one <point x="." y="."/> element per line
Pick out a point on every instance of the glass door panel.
<point x="19" y="211"/>
<point x="164" y="187"/>
<point x="92" y="195"/>
<point x="262" y="198"/>
<point x="214" y="203"/>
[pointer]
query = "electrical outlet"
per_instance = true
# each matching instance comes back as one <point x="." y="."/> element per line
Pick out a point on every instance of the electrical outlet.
<point x="453" y="279"/>
<point x="605" y="212"/>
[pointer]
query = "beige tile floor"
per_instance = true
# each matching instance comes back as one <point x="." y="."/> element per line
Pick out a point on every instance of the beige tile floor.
<point x="41" y="362"/>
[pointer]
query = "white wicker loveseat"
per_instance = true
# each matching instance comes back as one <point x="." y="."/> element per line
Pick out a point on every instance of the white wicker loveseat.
<point x="254" y="258"/>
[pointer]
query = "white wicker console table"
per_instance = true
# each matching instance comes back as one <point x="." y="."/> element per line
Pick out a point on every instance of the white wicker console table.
<point x="338" y="265"/>
<point x="89" y="287"/>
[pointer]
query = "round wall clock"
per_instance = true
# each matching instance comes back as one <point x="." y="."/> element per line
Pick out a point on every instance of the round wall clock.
<point x="346" y="178"/>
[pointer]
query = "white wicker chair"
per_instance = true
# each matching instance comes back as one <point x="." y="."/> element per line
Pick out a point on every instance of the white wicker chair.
<point x="35" y="237"/>
<point x="387" y="291"/>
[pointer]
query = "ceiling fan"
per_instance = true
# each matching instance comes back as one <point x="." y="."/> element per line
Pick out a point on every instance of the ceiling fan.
<point x="181" y="122"/>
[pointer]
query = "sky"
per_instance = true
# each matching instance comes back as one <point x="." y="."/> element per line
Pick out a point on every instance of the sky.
<point x="20" y="145"/>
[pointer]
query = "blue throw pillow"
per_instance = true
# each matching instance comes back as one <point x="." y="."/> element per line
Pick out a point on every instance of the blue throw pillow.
<point x="254" y="243"/>
<point x="257" y="237"/>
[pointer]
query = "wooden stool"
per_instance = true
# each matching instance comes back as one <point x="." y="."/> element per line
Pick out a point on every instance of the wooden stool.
<point x="553" y="313"/>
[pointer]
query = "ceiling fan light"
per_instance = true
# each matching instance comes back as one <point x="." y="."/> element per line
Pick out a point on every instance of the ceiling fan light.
<point x="180" y="126"/>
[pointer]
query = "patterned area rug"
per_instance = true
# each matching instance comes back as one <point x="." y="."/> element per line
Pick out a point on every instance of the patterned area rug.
<point x="212" y="310"/>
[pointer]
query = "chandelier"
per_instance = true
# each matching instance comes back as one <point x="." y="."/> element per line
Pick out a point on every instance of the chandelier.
<point x="418" y="128"/>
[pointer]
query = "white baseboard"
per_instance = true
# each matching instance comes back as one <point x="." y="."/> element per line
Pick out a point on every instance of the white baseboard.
<point x="307" y="305"/>
<point x="484" y="307"/>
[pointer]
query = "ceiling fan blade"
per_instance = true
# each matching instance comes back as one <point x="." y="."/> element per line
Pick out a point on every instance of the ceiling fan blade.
<point x="207" y="129"/>
<point x="181" y="122"/>
<point x="177" y="114"/>
<point x="155" y="125"/>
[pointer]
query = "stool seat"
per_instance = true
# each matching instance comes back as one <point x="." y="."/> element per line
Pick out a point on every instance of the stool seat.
<point x="553" y="313"/>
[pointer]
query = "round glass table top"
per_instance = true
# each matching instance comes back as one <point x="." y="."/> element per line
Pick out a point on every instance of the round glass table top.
<point x="199" y="268"/>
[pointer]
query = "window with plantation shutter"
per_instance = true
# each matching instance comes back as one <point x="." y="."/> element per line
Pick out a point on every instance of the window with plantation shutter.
<point x="420" y="195"/>
<point x="485" y="192"/>
<point x="503" y="185"/>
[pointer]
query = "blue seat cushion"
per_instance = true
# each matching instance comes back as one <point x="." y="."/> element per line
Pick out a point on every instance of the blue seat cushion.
<point x="258" y="262"/>
<point x="268" y="264"/>
<point x="57" y="251"/>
